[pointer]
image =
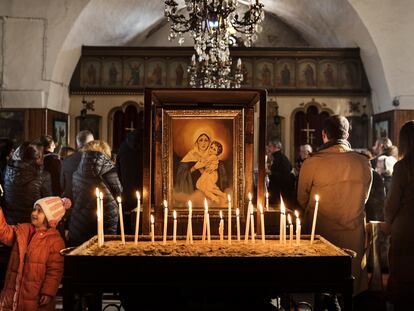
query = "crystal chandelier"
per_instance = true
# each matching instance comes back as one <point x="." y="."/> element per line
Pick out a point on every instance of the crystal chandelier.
<point x="215" y="25"/>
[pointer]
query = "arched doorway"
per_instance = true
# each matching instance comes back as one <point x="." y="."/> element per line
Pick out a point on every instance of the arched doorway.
<point x="307" y="125"/>
<point x="125" y="119"/>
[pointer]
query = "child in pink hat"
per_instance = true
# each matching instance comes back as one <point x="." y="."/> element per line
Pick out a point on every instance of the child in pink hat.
<point x="35" y="266"/>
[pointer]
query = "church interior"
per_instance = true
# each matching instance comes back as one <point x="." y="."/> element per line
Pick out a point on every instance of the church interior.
<point x="221" y="154"/>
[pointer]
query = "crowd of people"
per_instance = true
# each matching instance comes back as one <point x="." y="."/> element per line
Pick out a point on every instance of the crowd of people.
<point x="39" y="185"/>
<point x="355" y="187"/>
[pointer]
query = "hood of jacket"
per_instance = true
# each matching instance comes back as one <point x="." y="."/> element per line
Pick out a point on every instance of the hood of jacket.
<point x="94" y="164"/>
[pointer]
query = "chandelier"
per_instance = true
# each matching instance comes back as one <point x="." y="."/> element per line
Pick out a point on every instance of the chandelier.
<point x="214" y="25"/>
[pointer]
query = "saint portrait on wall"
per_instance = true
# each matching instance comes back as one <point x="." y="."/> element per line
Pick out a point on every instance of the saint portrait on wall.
<point x="134" y="72"/>
<point x="264" y="74"/>
<point x="112" y="73"/>
<point x="247" y="71"/>
<point x="328" y="74"/>
<point x="350" y="75"/>
<point x="156" y="73"/>
<point x="202" y="161"/>
<point x="90" y="73"/>
<point x="307" y="74"/>
<point x="178" y="74"/>
<point x="285" y="73"/>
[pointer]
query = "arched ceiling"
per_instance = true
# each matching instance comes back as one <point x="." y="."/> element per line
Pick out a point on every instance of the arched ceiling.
<point x="372" y="25"/>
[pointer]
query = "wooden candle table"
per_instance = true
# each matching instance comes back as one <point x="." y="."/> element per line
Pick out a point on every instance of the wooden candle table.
<point x="238" y="269"/>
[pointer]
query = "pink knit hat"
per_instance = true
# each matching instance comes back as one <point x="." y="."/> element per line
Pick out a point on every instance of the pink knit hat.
<point x="54" y="209"/>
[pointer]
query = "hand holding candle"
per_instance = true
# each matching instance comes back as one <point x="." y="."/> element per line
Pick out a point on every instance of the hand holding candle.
<point x="137" y="217"/>
<point x="164" y="237"/>
<point x="315" y="215"/>
<point x="121" y="220"/>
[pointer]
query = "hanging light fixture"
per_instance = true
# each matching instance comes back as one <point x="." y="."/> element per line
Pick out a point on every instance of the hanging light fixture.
<point x="214" y="25"/>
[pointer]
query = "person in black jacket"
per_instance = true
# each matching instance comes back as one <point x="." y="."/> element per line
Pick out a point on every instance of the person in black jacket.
<point x="51" y="163"/>
<point x="70" y="163"/>
<point x="95" y="170"/>
<point x="6" y="150"/>
<point x="281" y="179"/>
<point x="129" y="167"/>
<point x="24" y="183"/>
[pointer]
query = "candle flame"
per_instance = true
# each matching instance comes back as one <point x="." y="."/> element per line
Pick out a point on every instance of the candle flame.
<point x="175" y="214"/>
<point x="250" y="196"/>
<point x="282" y="206"/>
<point x="119" y="200"/>
<point x="152" y="219"/>
<point x="228" y="198"/>
<point x="289" y="219"/>
<point x="190" y="205"/>
<point x="237" y="212"/>
<point x="296" y="214"/>
<point x="261" y="208"/>
<point x="97" y="192"/>
<point x="221" y="214"/>
<point x="165" y="203"/>
<point x="317" y="197"/>
<point x="101" y="195"/>
<point x="138" y="195"/>
<point x="267" y="195"/>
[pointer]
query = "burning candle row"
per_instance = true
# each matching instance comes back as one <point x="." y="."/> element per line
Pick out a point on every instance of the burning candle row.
<point x="206" y="233"/>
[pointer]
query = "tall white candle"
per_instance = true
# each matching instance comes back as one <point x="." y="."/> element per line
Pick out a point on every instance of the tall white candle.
<point x="164" y="236"/>
<point x="252" y="222"/>
<point x="98" y="216"/>
<point x="175" y="227"/>
<point x="246" y="232"/>
<point x="282" y="231"/>
<point x="208" y="228"/>
<point x="238" y="223"/>
<point x="189" y="238"/>
<point x="221" y="227"/>
<point x="101" y="208"/>
<point x="290" y="230"/>
<point x="121" y="220"/>
<point x="203" y="238"/>
<point x="152" y="229"/>
<point x="262" y="223"/>
<point x="315" y="215"/>
<point x="298" y="228"/>
<point x="267" y="201"/>
<point x="137" y="217"/>
<point x="229" y="219"/>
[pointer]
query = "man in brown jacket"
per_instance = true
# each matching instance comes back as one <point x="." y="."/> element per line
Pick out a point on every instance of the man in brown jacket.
<point x="342" y="179"/>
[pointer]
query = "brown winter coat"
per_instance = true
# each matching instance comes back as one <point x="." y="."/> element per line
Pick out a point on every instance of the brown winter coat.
<point x="342" y="179"/>
<point x="34" y="270"/>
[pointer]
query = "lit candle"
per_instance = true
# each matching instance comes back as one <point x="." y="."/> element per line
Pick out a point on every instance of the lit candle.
<point x="164" y="237"/>
<point x="189" y="224"/>
<point x="152" y="229"/>
<point x="229" y="219"/>
<point x="205" y="221"/>
<point x="175" y="227"/>
<point x="252" y="222"/>
<point x="267" y="201"/>
<point x="208" y="227"/>
<point x="290" y="230"/>
<point x="121" y="220"/>
<point x="238" y="223"/>
<point x="246" y="233"/>
<point x="282" y="234"/>
<point x="221" y="227"/>
<point x="239" y="63"/>
<point x="101" y="218"/>
<point x="98" y="216"/>
<point x="137" y="217"/>
<point x="315" y="215"/>
<point x="298" y="227"/>
<point x="262" y="223"/>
